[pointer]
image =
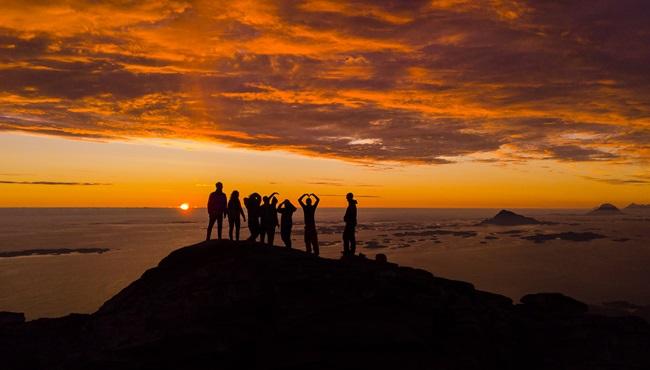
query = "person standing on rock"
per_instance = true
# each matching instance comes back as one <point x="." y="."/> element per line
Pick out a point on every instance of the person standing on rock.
<point x="262" y="215"/>
<point x="350" y="219"/>
<point x="217" y="207"/>
<point x="286" y="210"/>
<point x="234" y="212"/>
<point x="252" y="204"/>
<point x="309" y="211"/>
<point x="268" y="218"/>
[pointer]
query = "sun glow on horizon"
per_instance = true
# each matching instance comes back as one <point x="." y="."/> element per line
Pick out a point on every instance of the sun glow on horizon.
<point x="184" y="206"/>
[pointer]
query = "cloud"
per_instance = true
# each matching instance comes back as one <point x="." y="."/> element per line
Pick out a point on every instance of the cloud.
<point x="426" y="82"/>
<point x="356" y="196"/>
<point x="632" y="180"/>
<point x="54" y="183"/>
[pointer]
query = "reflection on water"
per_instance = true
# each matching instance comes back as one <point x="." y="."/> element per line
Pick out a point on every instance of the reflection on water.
<point x="446" y="242"/>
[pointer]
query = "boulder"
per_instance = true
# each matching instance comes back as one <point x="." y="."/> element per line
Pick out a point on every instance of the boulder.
<point x="9" y="318"/>
<point x="553" y="304"/>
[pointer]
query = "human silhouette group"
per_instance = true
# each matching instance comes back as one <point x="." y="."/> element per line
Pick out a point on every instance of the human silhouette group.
<point x="263" y="213"/>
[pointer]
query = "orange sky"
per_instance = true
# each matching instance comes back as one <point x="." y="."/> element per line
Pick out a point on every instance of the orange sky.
<point x="443" y="103"/>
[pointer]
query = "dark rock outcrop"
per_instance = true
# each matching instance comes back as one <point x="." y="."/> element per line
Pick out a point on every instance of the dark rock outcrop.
<point x="11" y="318"/>
<point x="553" y="304"/>
<point x="509" y="218"/>
<point x="226" y="305"/>
<point x="605" y="209"/>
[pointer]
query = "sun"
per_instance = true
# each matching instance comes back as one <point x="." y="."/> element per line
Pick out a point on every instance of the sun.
<point x="184" y="206"/>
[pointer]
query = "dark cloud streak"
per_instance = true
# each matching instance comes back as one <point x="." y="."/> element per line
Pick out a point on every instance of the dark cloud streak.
<point x="53" y="183"/>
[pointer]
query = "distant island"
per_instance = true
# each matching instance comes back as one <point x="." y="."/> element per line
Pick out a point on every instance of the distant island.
<point x="638" y="207"/>
<point x="509" y="218"/>
<point x="241" y="305"/>
<point x="605" y="209"/>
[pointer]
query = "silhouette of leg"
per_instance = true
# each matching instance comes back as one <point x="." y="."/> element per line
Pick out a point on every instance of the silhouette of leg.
<point x="349" y="242"/>
<point x="213" y="218"/>
<point x="231" y="225"/>
<point x="285" y="233"/>
<point x="237" y="227"/>
<point x="219" y="225"/>
<point x="251" y="229"/>
<point x="314" y="242"/>
<point x="262" y="234"/>
<point x="271" y="236"/>
<point x="353" y="243"/>
<point x="307" y="241"/>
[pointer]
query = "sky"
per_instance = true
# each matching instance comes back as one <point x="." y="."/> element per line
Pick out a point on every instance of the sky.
<point x="439" y="103"/>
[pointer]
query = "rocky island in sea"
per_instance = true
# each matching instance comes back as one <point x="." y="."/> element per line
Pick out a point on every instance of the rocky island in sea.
<point x="605" y="209"/>
<point x="509" y="218"/>
<point x="638" y="207"/>
<point x="223" y="305"/>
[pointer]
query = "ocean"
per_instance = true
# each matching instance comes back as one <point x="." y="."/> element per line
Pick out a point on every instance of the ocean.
<point x="446" y="242"/>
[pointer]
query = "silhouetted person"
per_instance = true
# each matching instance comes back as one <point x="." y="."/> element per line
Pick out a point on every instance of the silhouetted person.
<point x="234" y="211"/>
<point x="269" y="218"/>
<point x="286" y="210"/>
<point x="350" y="219"/>
<point x="252" y="204"/>
<point x="309" y="211"/>
<point x="262" y="215"/>
<point x="217" y="206"/>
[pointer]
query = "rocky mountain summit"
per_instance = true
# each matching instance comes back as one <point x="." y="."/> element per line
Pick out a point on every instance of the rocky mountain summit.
<point x="227" y="305"/>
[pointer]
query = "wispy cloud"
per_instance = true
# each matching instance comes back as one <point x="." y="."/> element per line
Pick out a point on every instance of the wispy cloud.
<point x="355" y="195"/>
<point x="54" y="183"/>
<point x="619" y="181"/>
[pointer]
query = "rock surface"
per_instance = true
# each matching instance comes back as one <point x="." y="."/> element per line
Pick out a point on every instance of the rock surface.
<point x="509" y="218"/>
<point x="605" y="209"/>
<point x="225" y="305"/>
<point x="11" y="318"/>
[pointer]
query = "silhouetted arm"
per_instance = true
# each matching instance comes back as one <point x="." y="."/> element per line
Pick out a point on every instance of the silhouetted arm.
<point x="317" y="200"/>
<point x="241" y="210"/>
<point x="302" y="204"/>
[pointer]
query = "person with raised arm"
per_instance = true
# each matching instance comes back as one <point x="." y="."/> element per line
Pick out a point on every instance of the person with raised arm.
<point x="269" y="218"/>
<point x="350" y="219"/>
<point x="262" y="217"/>
<point x="286" y="210"/>
<point x="252" y="204"/>
<point x="235" y="210"/>
<point x="309" y="211"/>
<point x="217" y="206"/>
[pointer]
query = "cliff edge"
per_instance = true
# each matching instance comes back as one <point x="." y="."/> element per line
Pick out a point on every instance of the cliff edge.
<point x="227" y="305"/>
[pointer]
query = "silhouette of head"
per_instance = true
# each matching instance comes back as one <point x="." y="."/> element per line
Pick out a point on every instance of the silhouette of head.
<point x="308" y="201"/>
<point x="219" y="186"/>
<point x="349" y="197"/>
<point x="265" y="199"/>
<point x="234" y="194"/>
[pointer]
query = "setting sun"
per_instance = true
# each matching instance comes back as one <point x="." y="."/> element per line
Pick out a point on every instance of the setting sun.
<point x="184" y="206"/>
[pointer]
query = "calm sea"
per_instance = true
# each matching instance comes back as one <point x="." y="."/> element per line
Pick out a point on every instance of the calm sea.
<point x="498" y="259"/>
